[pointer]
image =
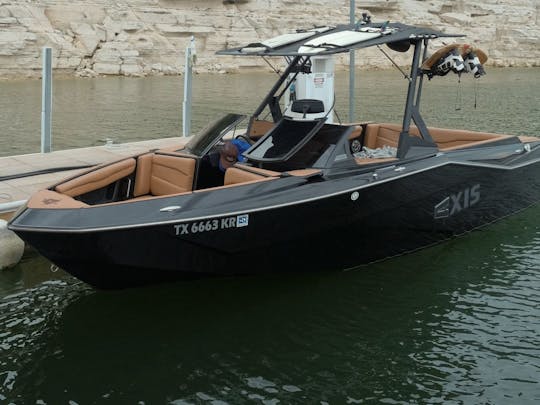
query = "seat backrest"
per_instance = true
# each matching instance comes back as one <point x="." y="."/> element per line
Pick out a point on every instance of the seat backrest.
<point x="142" y="175"/>
<point x="160" y="174"/>
<point x="171" y="174"/>
<point x="449" y="139"/>
<point x="370" y="138"/>
<point x="379" y="135"/>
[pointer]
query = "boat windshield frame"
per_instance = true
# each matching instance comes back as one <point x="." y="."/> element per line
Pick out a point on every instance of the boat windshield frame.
<point x="259" y="151"/>
<point x="203" y="142"/>
<point x="342" y="38"/>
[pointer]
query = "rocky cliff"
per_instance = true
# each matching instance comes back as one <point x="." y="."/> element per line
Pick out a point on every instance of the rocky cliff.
<point x="141" y="37"/>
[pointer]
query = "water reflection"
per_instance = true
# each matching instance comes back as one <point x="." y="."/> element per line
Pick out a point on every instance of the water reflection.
<point x="441" y="325"/>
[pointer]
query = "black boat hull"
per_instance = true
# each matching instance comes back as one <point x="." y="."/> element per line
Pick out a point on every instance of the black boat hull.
<point x="385" y="218"/>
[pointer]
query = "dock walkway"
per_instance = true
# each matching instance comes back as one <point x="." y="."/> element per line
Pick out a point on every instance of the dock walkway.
<point x="20" y="188"/>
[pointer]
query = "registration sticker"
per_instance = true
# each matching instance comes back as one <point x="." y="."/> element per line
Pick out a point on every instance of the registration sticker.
<point x="210" y="225"/>
<point x="242" y="220"/>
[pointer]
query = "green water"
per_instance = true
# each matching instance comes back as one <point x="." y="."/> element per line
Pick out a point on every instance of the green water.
<point x="86" y="112"/>
<point x="442" y="325"/>
<point x="455" y="324"/>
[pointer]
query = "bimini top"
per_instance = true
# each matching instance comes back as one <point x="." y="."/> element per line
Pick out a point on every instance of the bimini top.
<point x="342" y="38"/>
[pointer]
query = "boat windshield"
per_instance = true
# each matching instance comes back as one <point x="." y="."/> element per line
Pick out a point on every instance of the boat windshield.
<point x="285" y="139"/>
<point x="201" y="143"/>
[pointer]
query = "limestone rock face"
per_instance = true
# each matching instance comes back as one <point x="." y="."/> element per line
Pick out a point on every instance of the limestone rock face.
<point x="142" y="37"/>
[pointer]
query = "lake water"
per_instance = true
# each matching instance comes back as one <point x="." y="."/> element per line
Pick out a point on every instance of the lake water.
<point x="87" y="112"/>
<point x="458" y="323"/>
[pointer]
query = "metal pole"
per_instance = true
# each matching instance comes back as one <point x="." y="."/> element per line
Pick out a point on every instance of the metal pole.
<point x="46" y="101"/>
<point x="351" y="67"/>
<point x="188" y="79"/>
<point x="268" y="99"/>
<point x="412" y="88"/>
<point x="421" y="80"/>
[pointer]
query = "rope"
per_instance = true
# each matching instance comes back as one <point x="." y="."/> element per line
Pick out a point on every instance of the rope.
<point x="458" y="102"/>
<point x="276" y="71"/>
<point x="405" y="75"/>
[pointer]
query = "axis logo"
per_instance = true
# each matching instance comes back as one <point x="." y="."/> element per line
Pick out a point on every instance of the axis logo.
<point x="455" y="203"/>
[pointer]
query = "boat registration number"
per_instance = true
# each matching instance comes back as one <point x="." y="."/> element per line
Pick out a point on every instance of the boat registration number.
<point x="238" y="221"/>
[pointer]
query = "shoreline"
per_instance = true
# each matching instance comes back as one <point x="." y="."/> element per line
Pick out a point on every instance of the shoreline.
<point x="62" y="75"/>
<point x="148" y="38"/>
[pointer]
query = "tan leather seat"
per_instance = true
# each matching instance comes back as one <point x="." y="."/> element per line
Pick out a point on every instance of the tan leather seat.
<point x="379" y="135"/>
<point x="97" y="178"/>
<point x="161" y="174"/>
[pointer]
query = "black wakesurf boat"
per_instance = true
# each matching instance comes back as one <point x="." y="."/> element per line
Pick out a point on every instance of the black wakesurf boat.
<point x="304" y="198"/>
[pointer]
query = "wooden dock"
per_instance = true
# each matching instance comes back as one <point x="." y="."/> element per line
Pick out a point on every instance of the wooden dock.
<point x="19" y="188"/>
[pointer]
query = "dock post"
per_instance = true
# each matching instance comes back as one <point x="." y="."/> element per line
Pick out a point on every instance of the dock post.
<point x="188" y="79"/>
<point x="46" y="101"/>
<point x="351" y="66"/>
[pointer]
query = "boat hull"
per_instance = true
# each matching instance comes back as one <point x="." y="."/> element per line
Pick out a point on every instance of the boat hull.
<point x="386" y="217"/>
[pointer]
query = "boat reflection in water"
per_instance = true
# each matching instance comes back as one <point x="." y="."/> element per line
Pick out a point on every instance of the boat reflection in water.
<point x="307" y="193"/>
<point x="414" y="330"/>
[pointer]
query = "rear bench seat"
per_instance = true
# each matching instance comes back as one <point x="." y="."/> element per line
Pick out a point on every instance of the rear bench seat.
<point x="451" y="139"/>
<point x="378" y="135"/>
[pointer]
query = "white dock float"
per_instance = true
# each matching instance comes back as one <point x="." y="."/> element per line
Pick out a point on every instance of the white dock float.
<point x="11" y="247"/>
